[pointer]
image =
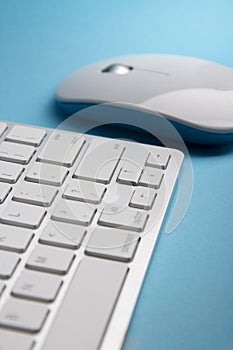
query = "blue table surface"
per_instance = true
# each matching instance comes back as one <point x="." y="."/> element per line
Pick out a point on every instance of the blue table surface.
<point x="186" y="302"/>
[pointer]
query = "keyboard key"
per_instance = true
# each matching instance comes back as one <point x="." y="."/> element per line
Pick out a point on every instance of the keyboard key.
<point x="100" y="161"/>
<point x="14" y="238"/>
<point x="62" y="235"/>
<point x="2" y="287"/>
<point x="50" y="259"/>
<point x="3" y="127"/>
<point x="12" y="152"/>
<point x="89" y="304"/>
<point x="26" y="134"/>
<point x="159" y="160"/>
<point x="73" y="212"/>
<point x="10" y="172"/>
<point x="143" y="198"/>
<point x="112" y="244"/>
<point x="151" y="178"/>
<point x="126" y="218"/>
<point x="137" y="154"/>
<point x="129" y="174"/>
<point x="8" y="341"/>
<point x="62" y="148"/>
<point x="4" y="191"/>
<point x="47" y="174"/>
<point x="8" y="263"/>
<point x="85" y="191"/>
<point x="23" y="315"/>
<point x="37" y="194"/>
<point x="37" y="286"/>
<point x="23" y="215"/>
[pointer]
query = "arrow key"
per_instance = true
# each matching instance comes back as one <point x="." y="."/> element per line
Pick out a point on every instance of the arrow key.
<point x="143" y="198"/>
<point x="151" y="177"/>
<point x="129" y="174"/>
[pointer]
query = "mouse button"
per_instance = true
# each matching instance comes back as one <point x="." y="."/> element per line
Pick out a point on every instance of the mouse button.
<point x="204" y="108"/>
<point x="214" y="75"/>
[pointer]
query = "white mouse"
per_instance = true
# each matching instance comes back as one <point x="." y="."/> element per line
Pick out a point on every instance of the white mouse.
<point x="194" y="94"/>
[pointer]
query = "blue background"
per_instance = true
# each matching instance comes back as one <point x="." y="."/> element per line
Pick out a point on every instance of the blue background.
<point x="186" y="302"/>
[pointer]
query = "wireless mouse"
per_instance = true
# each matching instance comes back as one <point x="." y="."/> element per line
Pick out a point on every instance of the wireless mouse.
<point x="195" y="95"/>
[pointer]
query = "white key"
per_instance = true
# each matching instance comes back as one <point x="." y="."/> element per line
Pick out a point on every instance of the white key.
<point x="23" y="315"/>
<point x="129" y="174"/>
<point x="127" y="218"/>
<point x="62" y="148"/>
<point x="16" y="153"/>
<point x="3" y="127"/>
<point x="24" y="215"/>
<point x="14" y="238"/>
<point x="85" y="191"/>
<point x="10" y="172"/>
<point x="151" y="178"/>
<point x="137" y="155"/>
<point x="37" y="286"/>
<point x="62" y="235"/>
<point x="4" y="191"/>
<point x="87" y="306"/>
<point x="112" y="244"/>
<point x="8" y="263"/>
<point x="49" y="259"/>
<point x="73" y="212"/>
<point x="9" y="339"/>
<point x="100" y="161"/>
<point x="35" y="194"/>
<point x="47" y="174"/>
<point x="143" y="198"/>
<point x="26" y="134"/>
<point x="2" y="287"/>
<point x="159" y="159"/>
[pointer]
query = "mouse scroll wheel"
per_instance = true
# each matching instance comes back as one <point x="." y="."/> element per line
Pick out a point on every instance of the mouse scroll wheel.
<point x="117" y="68"/>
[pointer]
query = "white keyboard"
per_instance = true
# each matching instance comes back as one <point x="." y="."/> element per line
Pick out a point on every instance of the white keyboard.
<point x="79" y="217"/>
